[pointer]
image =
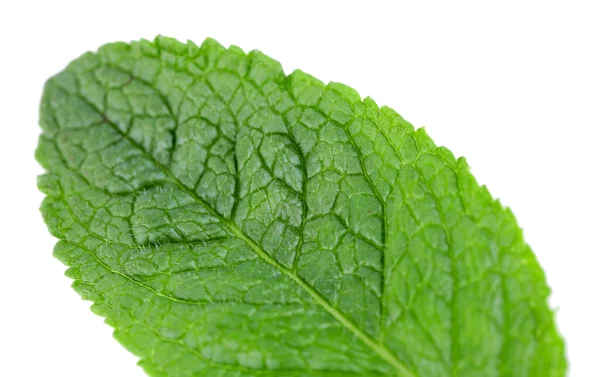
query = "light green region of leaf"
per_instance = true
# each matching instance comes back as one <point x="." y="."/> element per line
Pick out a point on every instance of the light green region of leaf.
<point x="231" y="221"/>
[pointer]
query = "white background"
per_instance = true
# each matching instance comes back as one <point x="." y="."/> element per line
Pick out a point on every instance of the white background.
<point x="513" y="86"/>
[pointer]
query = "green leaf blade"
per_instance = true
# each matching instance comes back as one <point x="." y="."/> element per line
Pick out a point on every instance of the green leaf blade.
<point x="229" y="220"/>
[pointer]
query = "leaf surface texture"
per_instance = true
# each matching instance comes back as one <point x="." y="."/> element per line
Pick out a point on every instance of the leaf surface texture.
<point x="231" y="221"/>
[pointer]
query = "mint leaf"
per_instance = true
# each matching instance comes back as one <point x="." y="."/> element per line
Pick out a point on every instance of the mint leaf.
<point x="229" y="220"/>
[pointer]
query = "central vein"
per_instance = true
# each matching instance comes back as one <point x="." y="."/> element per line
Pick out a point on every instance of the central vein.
<point x="380" y="349"/>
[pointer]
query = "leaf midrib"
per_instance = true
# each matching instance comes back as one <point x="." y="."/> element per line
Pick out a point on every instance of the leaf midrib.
<point x="379" y="348"/>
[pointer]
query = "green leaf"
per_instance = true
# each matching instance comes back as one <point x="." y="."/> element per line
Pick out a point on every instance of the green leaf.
<point x="229" y="220"/>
